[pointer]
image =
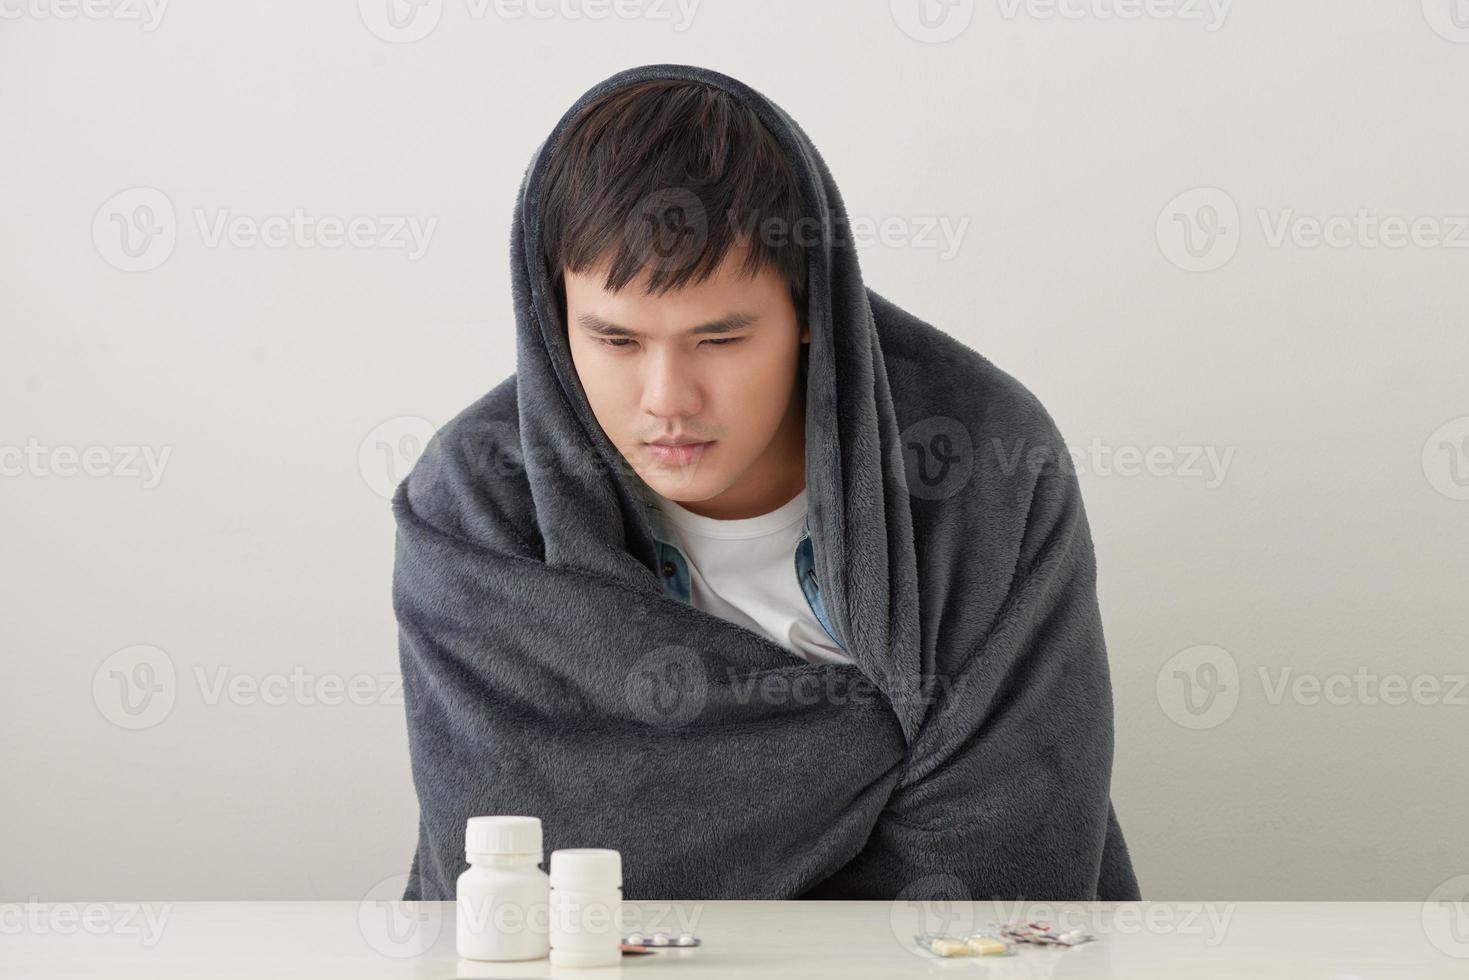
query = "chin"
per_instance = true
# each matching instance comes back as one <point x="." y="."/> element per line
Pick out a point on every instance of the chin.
<point x="686" y="491"/>
<point x="693" y="486"/>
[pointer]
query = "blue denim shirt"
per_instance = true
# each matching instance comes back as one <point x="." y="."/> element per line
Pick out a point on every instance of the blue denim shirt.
<point x="673" y="568"/>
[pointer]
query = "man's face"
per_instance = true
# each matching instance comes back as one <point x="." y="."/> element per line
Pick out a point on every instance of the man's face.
<point x="651" y="374"/>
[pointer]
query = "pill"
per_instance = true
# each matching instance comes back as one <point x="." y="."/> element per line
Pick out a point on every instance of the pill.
<point x="947" y="946"/>
<point x="660" y="939"/>
<point x="987" y="946"/>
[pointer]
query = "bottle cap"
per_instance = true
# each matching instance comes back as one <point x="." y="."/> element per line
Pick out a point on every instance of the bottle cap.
<point x="489" y="836"/>
<point x="586" y="867"/>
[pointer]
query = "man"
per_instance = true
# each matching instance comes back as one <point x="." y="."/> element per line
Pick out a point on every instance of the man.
<point x="739" y="574"/>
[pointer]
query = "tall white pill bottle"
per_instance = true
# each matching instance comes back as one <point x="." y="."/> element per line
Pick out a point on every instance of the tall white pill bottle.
<point x="502" y="901"/>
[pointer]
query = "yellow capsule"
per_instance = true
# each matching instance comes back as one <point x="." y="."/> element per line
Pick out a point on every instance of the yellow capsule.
<point x="987" y="945"/>
<point x="948" y="946"/>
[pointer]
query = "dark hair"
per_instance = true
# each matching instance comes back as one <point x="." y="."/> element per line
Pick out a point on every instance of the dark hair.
<point x="669" y="175"/>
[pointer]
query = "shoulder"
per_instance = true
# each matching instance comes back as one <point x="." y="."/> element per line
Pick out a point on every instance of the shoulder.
<point x="988" y="474"/>
<point x="470" y="481"/>
<point x="938" y="382"/>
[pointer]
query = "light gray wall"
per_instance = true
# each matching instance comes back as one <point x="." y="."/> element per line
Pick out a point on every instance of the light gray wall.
<point x="291" y="385"/>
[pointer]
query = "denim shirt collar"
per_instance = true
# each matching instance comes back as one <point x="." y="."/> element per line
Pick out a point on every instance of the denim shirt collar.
<point x="673" y="567"/>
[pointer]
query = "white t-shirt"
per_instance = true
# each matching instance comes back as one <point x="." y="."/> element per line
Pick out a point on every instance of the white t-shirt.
<point x="745" y="571"/>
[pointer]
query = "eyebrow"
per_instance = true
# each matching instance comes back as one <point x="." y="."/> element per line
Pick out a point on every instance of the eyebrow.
<point x="593" y="323"/>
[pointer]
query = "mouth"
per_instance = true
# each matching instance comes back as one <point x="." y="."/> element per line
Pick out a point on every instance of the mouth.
<point x="687" y="453"/>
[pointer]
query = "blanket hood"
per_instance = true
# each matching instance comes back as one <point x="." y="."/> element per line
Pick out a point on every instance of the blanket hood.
<point x="591" y="517"/>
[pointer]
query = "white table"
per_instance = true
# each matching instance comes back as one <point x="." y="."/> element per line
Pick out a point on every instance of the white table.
<point x="359" y="940"/>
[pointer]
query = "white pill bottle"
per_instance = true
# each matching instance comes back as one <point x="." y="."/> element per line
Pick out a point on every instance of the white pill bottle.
<point x="586" y="907"/>
<point x="502" y="902"/>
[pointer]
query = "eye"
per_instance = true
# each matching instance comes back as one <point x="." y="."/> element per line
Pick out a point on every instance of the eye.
<point x="725" y="341"/>
<point x="614" y="341"/>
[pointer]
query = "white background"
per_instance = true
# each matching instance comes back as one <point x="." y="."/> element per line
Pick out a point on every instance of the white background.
<point x="1336" y="542"/>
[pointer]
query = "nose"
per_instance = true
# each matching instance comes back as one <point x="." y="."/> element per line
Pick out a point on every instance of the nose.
<point x="670" y="387"/>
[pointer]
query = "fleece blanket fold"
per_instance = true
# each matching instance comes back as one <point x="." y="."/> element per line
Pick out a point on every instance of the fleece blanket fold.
<point x="547" y="673"/>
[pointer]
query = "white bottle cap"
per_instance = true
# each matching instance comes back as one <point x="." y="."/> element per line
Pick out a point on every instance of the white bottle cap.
<point x="489" y="836"/>
<point x="586" y="867"/>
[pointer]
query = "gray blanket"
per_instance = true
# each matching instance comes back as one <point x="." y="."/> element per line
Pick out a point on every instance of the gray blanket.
<point x="547" y="673"/>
